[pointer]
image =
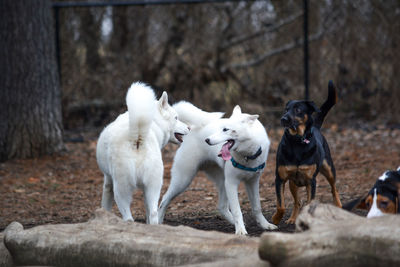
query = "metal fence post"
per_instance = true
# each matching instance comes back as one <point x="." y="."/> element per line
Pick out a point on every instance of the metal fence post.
<point x="57" y="33"/>
<point x="306" y="57"/>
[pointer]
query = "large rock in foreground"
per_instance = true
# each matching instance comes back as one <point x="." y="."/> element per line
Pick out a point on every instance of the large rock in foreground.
<point x="334" y="237"/>
<point x="5" y="256"/>
<point x="106" y="240"/>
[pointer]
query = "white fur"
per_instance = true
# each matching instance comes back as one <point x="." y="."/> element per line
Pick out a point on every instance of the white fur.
<point x="195" y="154"/>
<point x="128" y="150"/>
<point x="383" y="176"/>
<point x="142" y="107"/>
<point x="374" y="211"/>
<point x="193" y="116"/>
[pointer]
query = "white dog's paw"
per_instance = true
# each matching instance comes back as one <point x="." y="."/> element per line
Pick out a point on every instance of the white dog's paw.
<point x="266" y="225"/>
<point x="241" y="231"/>
<point x="269" y="226"/>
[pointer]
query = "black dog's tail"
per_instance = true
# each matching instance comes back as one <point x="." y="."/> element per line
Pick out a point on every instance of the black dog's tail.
<point x="328" y="104"/>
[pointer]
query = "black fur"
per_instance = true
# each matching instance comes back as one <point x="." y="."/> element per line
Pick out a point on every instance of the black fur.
<point x="389" y="188"/>
<point x="309" y="148"/>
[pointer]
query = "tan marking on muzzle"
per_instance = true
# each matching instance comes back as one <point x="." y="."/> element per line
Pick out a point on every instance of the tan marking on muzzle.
<point x="301" y="125"/>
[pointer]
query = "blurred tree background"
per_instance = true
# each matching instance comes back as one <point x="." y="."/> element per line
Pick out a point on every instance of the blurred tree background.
<point x="222" y="54"/>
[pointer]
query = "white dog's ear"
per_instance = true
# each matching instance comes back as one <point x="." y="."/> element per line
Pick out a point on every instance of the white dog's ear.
<point x="236" y="110"/>
<point x="163" y="101"/>
<point x="251" y="118"/>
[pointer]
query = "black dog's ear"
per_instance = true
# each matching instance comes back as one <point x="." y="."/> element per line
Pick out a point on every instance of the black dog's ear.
<point x="312" y="106"/>
<point x="358" y="203"/>
<point x="288" y="103"/>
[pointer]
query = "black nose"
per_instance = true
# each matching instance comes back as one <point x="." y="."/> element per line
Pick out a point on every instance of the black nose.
<point x="285" y="120"/>
<point x="208" y="141"/>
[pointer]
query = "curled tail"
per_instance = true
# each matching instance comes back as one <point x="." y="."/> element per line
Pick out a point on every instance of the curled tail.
<point x="141" y="103"/>
<point x="193" y="116"/>
<point x="327" y="105"/>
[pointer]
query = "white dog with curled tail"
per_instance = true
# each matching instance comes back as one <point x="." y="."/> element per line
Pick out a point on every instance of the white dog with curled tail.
<point x="230" y="151"/>
<point x="129" y="150"/>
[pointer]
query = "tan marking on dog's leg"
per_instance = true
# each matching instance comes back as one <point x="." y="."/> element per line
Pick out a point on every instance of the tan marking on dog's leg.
<point x="308" y="190"/>
<point x="296" y="204"/>
<point x="280" y="206"/>
<point x="285" y="172"/>
<point x="327" y="172"/>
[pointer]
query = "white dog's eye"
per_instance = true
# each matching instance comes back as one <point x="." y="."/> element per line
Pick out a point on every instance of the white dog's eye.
<point x="225" y="129"/>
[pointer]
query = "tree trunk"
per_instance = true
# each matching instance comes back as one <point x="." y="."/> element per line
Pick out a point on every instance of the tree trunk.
<point x="30" y="104"/>
<point x="106" y="240"/>
<point x="334" y="237"/>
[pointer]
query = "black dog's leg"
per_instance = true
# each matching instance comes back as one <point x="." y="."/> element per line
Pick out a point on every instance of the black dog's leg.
<point x="313" y="187"/>
<point x="328" y="170"/>
<point x="296" y="205"/>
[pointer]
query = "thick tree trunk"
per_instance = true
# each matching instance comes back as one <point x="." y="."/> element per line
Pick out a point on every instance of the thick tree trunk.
<point x="30" y="105"/>
<point x="335" y="237"/>
<point x="108" y="241"/>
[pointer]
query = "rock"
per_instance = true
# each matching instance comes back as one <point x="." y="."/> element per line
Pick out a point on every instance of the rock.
<point x="331" y="236"/>
<point x="242" y="262"/>
<point x="5" y="256"/>
<point x="106" y="240"/>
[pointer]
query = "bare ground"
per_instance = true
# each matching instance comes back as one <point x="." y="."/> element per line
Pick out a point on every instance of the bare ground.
<point x="67" y="188"/>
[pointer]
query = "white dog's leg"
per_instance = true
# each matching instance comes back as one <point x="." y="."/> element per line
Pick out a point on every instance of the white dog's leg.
<point x="231" y="186"/>
<point x="108" y="193"/>
<point x="152" y="190"/>
<point x="182" y="174"/>
<point x="123" y="198"/>
<point x="223" y="204"/>
<point x="151" y="197"/>
<point x="252" y="188"/>
<point x="217" y="176"/>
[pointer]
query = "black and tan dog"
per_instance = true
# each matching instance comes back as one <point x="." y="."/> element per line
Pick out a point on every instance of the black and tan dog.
<point x="383" y="198"/>
<point x="303" y="152"/>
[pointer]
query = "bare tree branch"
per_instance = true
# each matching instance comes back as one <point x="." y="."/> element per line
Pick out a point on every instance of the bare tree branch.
<point x="279" y="50"/>
<point x="272" y="28"/>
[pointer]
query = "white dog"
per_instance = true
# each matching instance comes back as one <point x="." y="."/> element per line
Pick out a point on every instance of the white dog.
<point x="128" y="150"/>
<point x="242" y="157"/>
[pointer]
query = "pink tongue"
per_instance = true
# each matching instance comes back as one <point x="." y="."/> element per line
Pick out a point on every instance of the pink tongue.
<point x="226" y="155"/>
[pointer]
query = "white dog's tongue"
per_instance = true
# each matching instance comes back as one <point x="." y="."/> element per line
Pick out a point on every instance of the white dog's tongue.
<point x="225" y="153"/>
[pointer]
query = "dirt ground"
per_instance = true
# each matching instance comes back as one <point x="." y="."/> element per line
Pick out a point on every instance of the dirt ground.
<point x="67" y="188"/>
